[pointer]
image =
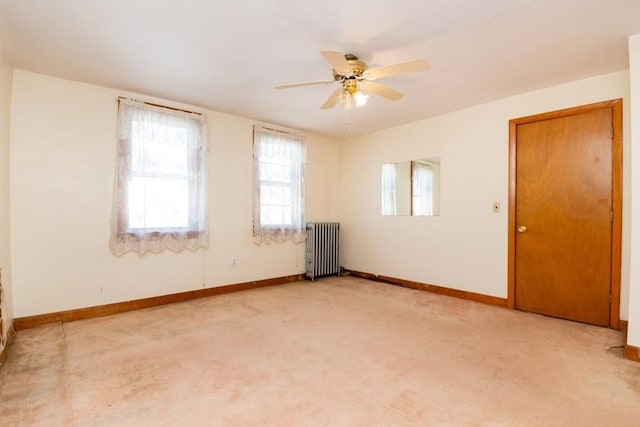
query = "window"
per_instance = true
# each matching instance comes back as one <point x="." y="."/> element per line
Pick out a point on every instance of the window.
<point x="278" y="188"/>
<point x="160" y="186"/>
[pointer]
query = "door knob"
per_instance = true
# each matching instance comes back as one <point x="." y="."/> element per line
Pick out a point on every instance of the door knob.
<point x="522" y="229"/>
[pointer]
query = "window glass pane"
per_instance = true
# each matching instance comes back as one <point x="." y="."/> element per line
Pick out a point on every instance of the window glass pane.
<point x="275" y="215"/>
<point x="160" y="149"/>
<point x="275" y="195"/>
<point x="158" y="203"/>
<point x="275" y="153"/>
<point x="274" y="172"/>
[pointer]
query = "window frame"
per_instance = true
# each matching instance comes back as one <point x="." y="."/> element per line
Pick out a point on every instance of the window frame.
<point x="124" y="222"/>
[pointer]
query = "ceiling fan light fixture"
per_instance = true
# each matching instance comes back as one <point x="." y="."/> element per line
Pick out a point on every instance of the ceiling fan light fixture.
<point x="356" y="99"/>
<point x="352" y="94"/>
<point x="360" y="98"/>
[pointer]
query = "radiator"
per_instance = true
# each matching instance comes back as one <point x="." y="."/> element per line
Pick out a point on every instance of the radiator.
<point x="322" y="255"/>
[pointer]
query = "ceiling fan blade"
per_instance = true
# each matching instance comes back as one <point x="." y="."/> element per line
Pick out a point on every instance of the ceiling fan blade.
<point x="333" y="99"/>
<point x="395" y="69"/>
<point x="309" y="83"/>
<point x="337" y="61"/>
<point x="382" y="90"/>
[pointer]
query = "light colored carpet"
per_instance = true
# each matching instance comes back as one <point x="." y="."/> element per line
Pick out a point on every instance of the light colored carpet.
<point x="336" y="352"/>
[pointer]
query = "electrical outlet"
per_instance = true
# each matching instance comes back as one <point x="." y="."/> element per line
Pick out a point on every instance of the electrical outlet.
<point x="495" y="207"/>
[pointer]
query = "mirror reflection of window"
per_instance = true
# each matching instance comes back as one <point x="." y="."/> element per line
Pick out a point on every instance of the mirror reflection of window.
<point x="389" y="205"/>
<point x="422" y="189"/>
<point x="411" y="187"/>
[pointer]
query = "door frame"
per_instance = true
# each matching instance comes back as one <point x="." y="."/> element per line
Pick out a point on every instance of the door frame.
<point x="616" y="188"/>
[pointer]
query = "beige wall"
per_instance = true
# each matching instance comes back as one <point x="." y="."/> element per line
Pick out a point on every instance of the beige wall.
<point x="466" y="246"/>
<point x="633" y="337"/>
<point x="6" y="73"/>
<point x="63" y="154"/>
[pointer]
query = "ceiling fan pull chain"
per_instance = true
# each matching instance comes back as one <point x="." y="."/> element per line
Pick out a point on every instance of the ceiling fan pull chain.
<point x="346" y="120"/>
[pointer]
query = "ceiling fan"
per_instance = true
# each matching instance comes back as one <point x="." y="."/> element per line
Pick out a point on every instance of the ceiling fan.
<point x="354" y="77"/>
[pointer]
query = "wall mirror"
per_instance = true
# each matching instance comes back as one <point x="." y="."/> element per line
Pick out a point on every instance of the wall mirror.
<point x="411" y="187"/>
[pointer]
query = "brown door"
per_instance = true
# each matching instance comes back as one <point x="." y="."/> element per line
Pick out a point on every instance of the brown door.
<point x="563" y="215"/>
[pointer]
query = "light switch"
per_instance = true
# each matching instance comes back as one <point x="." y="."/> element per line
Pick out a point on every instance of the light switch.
<point x="495" y="207"/>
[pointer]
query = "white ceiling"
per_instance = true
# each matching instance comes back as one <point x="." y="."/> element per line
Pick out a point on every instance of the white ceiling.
<point x="228" y="55"/>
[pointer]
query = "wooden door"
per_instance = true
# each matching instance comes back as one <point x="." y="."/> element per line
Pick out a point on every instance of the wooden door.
<point x="564" y="210"/>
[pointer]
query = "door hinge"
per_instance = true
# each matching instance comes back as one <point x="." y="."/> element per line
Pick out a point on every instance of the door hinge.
<point x="611" y="216"/>
<point x="610" y="297"/>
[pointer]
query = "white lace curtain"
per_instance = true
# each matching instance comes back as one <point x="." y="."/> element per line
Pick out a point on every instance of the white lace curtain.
<point x="278" y="186"/>
<point x="160" y="188"/>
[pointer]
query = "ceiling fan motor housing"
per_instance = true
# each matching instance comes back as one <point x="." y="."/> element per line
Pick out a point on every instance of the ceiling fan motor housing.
<point x="350" y="85"/>
<point x="357" y="68"/>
